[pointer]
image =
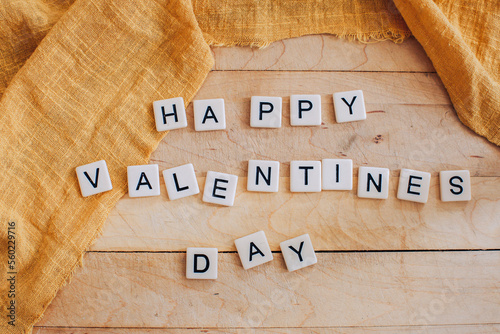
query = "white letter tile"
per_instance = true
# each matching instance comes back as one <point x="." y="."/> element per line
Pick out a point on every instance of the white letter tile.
<point x="373" y="182"/>
<point x="455" y="185"/>
<point x="265" y="112"/>
<point x="253" y="250"/>
<point x="337" y="174"/>
<point x="143" y="181"/>
<point x="298" y="252"/>
<point x="305" y="176"/>
<point x="201" y="263"/>
<point x="305" y="110"/>
<point x="349" y="106"/>
<point x="170" y="114"/>
<point x="220" y="188"/>
<point x="414" y="185"/>
<point x="94" y="178"/>
<point x="181" y="182"/>
<point x="209" y="115"/>
<point x="263" y="176"/>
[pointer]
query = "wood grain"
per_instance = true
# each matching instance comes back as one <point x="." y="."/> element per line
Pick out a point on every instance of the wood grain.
<point x="133" y="281"/>
<point x="443" y="329"/>
<point x="343" y="289"/>
<point x="410" y="124"/>
<point x="325" y="53"/>
<point x="335" y="220"/>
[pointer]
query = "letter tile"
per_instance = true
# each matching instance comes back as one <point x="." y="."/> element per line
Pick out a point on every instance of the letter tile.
<point x="349" y="106"/>
<point x="170" y="114"/>
<point x="414" y="185"/>
<point x="220" y="188"/>
<point x="305" y="176"/>
<point x="93" y="178"/>
<point x="263" y="176"/>
<point x="455" y="185"/>
<point x="265" y="112"/>
<point x="201" y="263"/>
<point x="181" y="182"/>
<point x="253" y="250"/>
<point x="143" y="181"/>
<point x="305" y="110"/>
<point x="298" y="252"/>
<point x="373" y="182"/>
<point x="336" y="174"/>
<point x="209" y="115"/>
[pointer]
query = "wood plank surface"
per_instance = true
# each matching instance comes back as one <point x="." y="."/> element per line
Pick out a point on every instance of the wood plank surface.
<point x="342" y="289"/>
<point x="384" y="266"/>
<point x="335" y="220"/>
<point x="410" y="124"/>
<point x="325" y="53"/>
<point x="442" y="329"/>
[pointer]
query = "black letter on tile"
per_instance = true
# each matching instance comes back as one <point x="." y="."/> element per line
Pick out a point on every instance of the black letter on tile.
<point x="261" y="109"/>
<point x="298" y="251"/>
<point x="217" y="187"/>
<point x="350" y="105"/>
<point x="177" y="184"/>
<point x="301" y="109"/>
<point x="174" y="107"/>
<point x="207" y="263"/>
<point x="257" y="251"/>
<point x="207" y="116"/>
<point x="266" y="179"/>
<point x="337" y="168"/>
<point x="306" y="173"/>
<point x="94" y="184"/>
<point x="413" y="184"/>
<point x="141" y="183"/>
<point x="378" y="186"/>
<point x="461" y="189"/>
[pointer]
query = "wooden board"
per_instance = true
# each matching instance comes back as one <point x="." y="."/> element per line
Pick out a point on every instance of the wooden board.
<point x="335" y="220"/>
<point x="325" y="53"/>
<point x="343" y="289"/>
<point x="444" y="329"/>
<point x="383" y="266"/>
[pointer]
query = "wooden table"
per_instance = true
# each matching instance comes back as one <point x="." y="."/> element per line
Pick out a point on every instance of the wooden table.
<point x="383" y="265"/>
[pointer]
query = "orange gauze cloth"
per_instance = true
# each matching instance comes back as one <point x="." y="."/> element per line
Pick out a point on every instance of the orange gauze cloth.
<point x="462" y="39"/>
<point x="86" y="94"/>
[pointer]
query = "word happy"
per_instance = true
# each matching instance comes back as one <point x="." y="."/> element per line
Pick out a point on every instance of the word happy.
<point x="263" y="176"/>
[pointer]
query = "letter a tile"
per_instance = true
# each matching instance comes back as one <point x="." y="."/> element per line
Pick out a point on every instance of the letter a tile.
<point x="209" y="115"/>
<point x="253" y="250"/>
<point x="143" y="181"/>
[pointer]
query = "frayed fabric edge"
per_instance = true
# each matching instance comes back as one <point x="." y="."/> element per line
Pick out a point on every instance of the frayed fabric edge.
<point x="397" y="36"/>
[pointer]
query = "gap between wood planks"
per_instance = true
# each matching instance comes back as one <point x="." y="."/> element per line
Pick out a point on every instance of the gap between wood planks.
<point x="264" y="328"/>
<point x="321" y="251"/>
<point x="328" y="71"/>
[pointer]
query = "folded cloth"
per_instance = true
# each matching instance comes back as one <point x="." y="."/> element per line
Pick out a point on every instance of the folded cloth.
<point x="462" y="39"/>
<point x="86" y="92"/>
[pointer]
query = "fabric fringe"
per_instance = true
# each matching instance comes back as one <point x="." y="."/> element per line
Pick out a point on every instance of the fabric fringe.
<point x="396" y="36"/>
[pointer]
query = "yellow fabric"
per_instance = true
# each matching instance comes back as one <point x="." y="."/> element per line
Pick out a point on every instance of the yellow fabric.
<point x="462" y="38"/>
<point x="86" y="94"/>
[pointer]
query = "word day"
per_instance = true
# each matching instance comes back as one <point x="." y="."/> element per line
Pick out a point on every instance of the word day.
<point x="253" y="250"/>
